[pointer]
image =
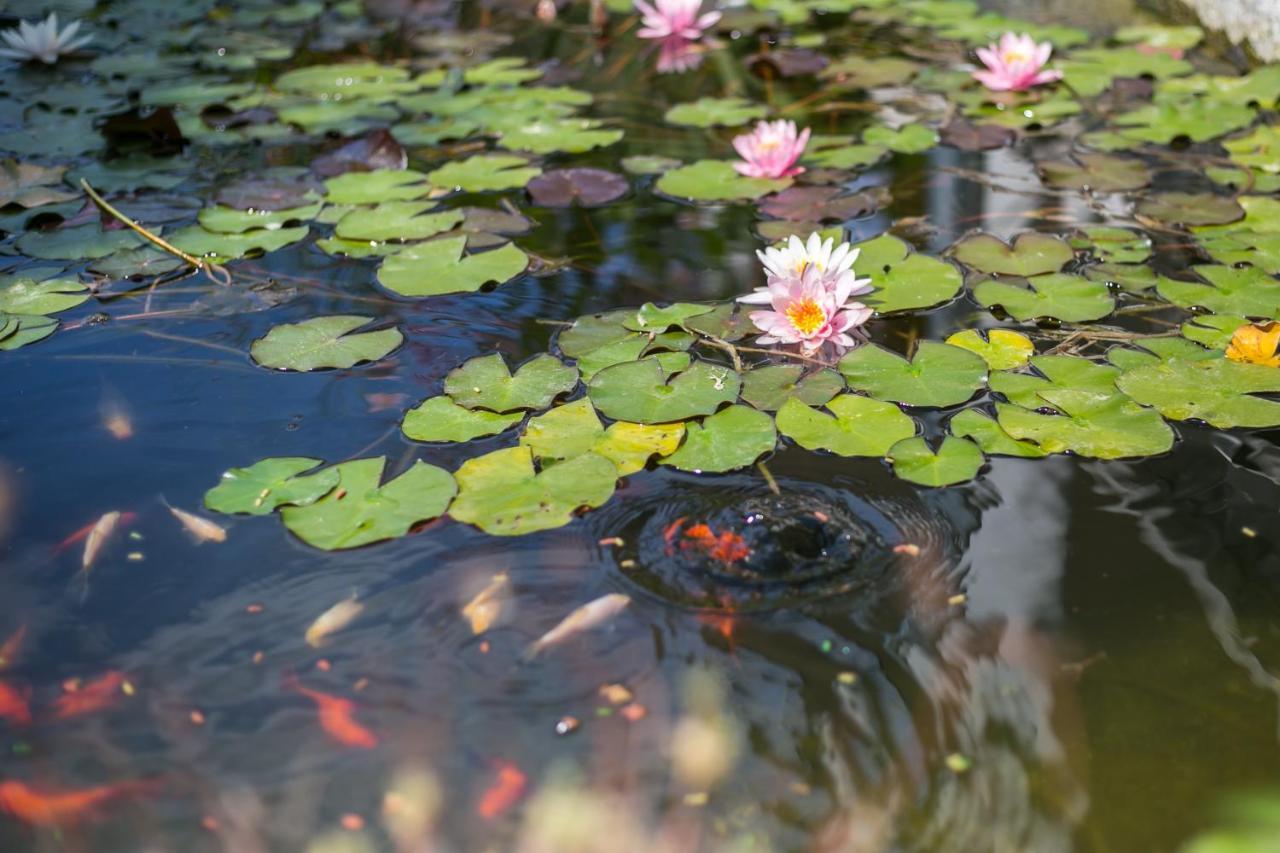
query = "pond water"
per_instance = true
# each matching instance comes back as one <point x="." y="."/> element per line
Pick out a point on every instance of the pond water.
<point x="1075" y="652"/>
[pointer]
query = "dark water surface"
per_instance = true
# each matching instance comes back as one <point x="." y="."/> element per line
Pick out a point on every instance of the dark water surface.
<point x="1075" y="655"/>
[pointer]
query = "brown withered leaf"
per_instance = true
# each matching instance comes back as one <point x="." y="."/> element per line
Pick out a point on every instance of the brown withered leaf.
<point x="377" y="149"/>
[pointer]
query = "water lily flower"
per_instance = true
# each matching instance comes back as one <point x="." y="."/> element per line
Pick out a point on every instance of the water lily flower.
<point x="1015" y="64"/>
<point x="667" y="18"/>
<point x="676" y="54"/>
<point x="42" y="41"/>
<point x="771" y="150"/>
<point x="809" y="310"/>
<point x="793" y="259"/>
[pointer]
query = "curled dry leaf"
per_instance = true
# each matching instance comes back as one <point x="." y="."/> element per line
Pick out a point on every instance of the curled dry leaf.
<point x="1256" y="344"/>
<point x="586" y="617"/>
<point x="201" y="529"/>
<point x="483" y="610"/>
<point x="332" y="621"/>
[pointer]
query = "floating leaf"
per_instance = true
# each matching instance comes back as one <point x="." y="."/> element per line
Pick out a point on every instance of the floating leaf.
<point x="361" y="509"/>
<point x="1069" y="298"/>
<point x="377" y="187"/>
<point x="1031" y="254"/>
<point x="856" y="426"/>
<point x="649" y="164"/>
<point x="43" y="297"/>
<point x="1214" y="390"/>
<point x="485" y="172"/>
<point x="968" y="136"/>
<point x="956" y="460"/>
<point x="563" y="432"/>
<point x="847" y="156"/>
<point x="396" y="220"/>
<point x="1114" y="245"/>
<point x="229" y="220"/>
<point x="938" y="375"/>
<point x="270" y="483"/>
<point x="224" y="247"/>
<point x="503" y="495"/>
<point x="438" y="267"/>
<point x="487" y="383"/>
<point x="630" y="446"/>
<point x="586" y="187"/>
<point x="1246" y="291"/>
<point x="818" y="204"/>
<point x="904" y="280"/>
<point x="29" y="329"/>
<point x="572" y="135"/>
<point x="1096" y="172"/>
<point x="1133" y="278"/>
<point x="652" y="318"/>
<point x="865" y="72"/>
<point x="732" y="438"/>
<point x="1002" y="349"/>
<point x="32" y="185"/>
<point x="645" y="392"/>
<point x="1191" y="208"/>
<point x="1098" y="426"/>
<point x="912" y="139"/>
<point x="1197" y="119"/>
<point x="323" y="342"/>
<point x="715" y="112"/>
<point x="1213" y="330"/>
<point x="990" y="436"/>
<point x="346" y="80"/>
<point x="77" y="243"/>
<point x="1059" y="372"/>
<point x="716" y="180"/>
<point x="441" y="419"/>
<point x="769" y="386"/>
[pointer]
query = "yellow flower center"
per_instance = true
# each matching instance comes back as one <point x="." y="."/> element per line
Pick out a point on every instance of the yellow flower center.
<point x="768" y="144"/>
<point x="1014" y="56"/>
<point x="806" y="315"/>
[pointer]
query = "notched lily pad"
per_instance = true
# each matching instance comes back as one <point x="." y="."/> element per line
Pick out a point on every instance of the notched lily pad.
<point x="732" y="438"/>
<point x="716" y="180"/>
<point x="484" y="173"/>
<point x="487" y="383"/>
<point x="323" y="342"/>
<point x="956" y="460"/>
<point x="271" y="483"/>
<point x="1191" y="208"/>
<point x="715" y="112"/>
<point x="768" y="387"/>
<point x="1030" y="254"/>
<point x="1096" y="172"/>
<point x="441" y="419"/>
<point x="851" y="425"/>
<point x="583" y="186"/>
<point x="905" y="280"/>
<point x="1058" y="296"/>
<point x="438" y="267"/>
<point x="938" y="375"/>
<point x="1001" y="349"/>
<point x="646" y="392"/>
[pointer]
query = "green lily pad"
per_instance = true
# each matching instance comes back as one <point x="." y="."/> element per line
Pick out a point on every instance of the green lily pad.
<point x="1058" y="372"/>
<point x="228" y="220"/>
<point x="630" y="446"/>
<point x="485" y="172"/>
<point x="563" y="432"/>
<point x="1069" y="298"/>
<point x="851" y="425"/>
<point x="847" y="156"/>
<point x="30" y="328"/>
<point x="342" y="81"/>
<point x="716" y="180"/>
<point x="1258" y="87"/>
<point x="1214" y="390"/>
<point x="646" y="392"/>
<point x="1031" y="254"/>
<point x="441" y="419"/>
<point x="1213" y="330"/>
<point x="1198" y="119"/>
<point x="438" y="267"/>
<point x="715" y="112"/>
<point x="769" y="386"/>
<point x="323" y="342"/>
<point x="990" y="437"/>
<point x="732" y="438"/>
<point x="486" y="383"/>
<point x="956" y="461"/>
<point x="361" y="509"/>
<point x="1247" y="291"/>
<point x="652" y="318"/>
<point x="1095" y="172"/>
<point x="649" y="164"/>
<point x="377" y="187"/>
<point x="1001" y="349"/>
<point x="81" y="242"/>
<point x="503" y="495"/>
<point x="1089" y="424"/>
<point x="1259" y="149"/>
<point x="134" y="263"/>
<point x="866" y="72"/>
<point x="396" y="220"/>
<point x="571" y="135"/>
<point x="44" y="297"/>
<point x="598" y="341"/>
<point x="197" y="241"/>
<point x="270" y="483"/>
<point x="503" y="71"/>
<point x="938" y="375"/>
<point x="904" y="280"/>
<point x="1091" y="71"/>
<point x="912" y="139"/>
<point x="1132" y="278"/>
<point x="1113" y="245"/>
<point x="1191" y="208"/>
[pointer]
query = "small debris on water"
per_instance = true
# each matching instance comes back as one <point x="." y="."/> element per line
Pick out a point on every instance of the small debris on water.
<point x="1249" y="531"/>
<point x="958" y="763"/>
<point x="567" y="725"/>
<point x="615" y="694"/>
<point x="957" y="600"/>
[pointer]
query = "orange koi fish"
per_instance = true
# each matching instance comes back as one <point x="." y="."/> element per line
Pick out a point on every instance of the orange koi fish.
<point x="13" y="705"/>
<point x="505" y="791"/>
<point x="126" y="518"/>
<point x="9" y="651"/>
<point x="98" y="694"/>
<point x="51" y="808"/>
<point x="337" y="716"/>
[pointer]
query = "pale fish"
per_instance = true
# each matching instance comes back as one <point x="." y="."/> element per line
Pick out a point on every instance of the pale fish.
<point x="484" y="610"/>
<point x="586" y="617"/>
<point x="115" y="419"/>
<point x="98" y="536"/>
<point x="202" y="529"/>
<point x="332" y="621"/>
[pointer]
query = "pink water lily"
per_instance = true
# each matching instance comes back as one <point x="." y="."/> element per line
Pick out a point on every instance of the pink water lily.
<point x="1015" y="64"/>
<point x="771" y="150"/>
<point x="676" y="54"/>
<point x="667" y="18"/>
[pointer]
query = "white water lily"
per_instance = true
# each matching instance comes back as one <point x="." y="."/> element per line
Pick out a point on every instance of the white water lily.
<point x="42" y="41"/>
<point x="833" y="264"/>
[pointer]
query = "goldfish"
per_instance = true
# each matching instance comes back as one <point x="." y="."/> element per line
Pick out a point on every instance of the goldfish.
<point x="9" y="651"/>
<point x="115" y="419"/>
<point x="727" y="548"/>
<point x="336" y="717"/>
<point x="333" y="620"/>
<point x="97" y="538"/>
<point x="100" y="693"/>
<point x="503" y="793"/>
<point x="202" y="529"/>
<point x="126" y="518"/>
<point x="483" y="610"/>
<point x="13" y="705"/>
<point x="51" y="808"/>
<point x="584" y="618"/>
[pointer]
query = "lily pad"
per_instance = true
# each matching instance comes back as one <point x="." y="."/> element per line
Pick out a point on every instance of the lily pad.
<point x="990" y="436"/>
<point x="818" y="204"/>
<point x="441" y="419"/>
<point x="1191" y="208"/>
<point x="715" y="112"/>
<point x="1096" y="172"/>
<point x="1197" y="119"/>
<point x="1246" y="291"/>
<point x="572" y="135"/>
<point x="1001" y="349"/>
<point x="1214" y="390"/>
<point x="30" y="328"/>
<point x="200" y="242"/>
<point x="361" y="509"/>
<point x="1213" y="330"/>
<point x="503" y="495"/>
<point x="649" y="164"/>
<point x="653" y="318"/>
<point x="1089" y="424"/>
<point x="396" y="220"/>
<point x="646" y="392"/>
<point x="229" y="220"/>
<point x="271" y="483"/>
<point x="769" y="386"/>
<point x="732" y="438"/>
<point x="586" y="187"/>
<point x="487" y="383"/>
<point x="957" y="460"/>
<point x="44" y="297"/>
<point x="939" y="375"/>
<point x="485" y="172"/>
<point x="716" y="180"/>
<point x="630" y="446"/>
<point x="438" y="267"/>
<point x="323" y="342"/>
<point x="81" y="242"/>
<point x="32" y="185"/>
<point x="377" y="187"/>
<point x="563" y="432"/>
<point x="1031" y="254"/>
<point x="1113" y="245"/>
<point x="850" y="426"/>
<point x="1069" y="298"/>
<point x="905" y="280"/>
<point x="912" y="139"/>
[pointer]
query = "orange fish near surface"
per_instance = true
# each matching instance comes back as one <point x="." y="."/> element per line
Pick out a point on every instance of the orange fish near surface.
<point x="337" y="717"/>
<point x="13" y="706"/>
<point x="13" y="645"/>
<point x="51" y="808"/>
<point x="727" y="548"/>
<point x="504" y="792"/>
<point x="100" y="693"/>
